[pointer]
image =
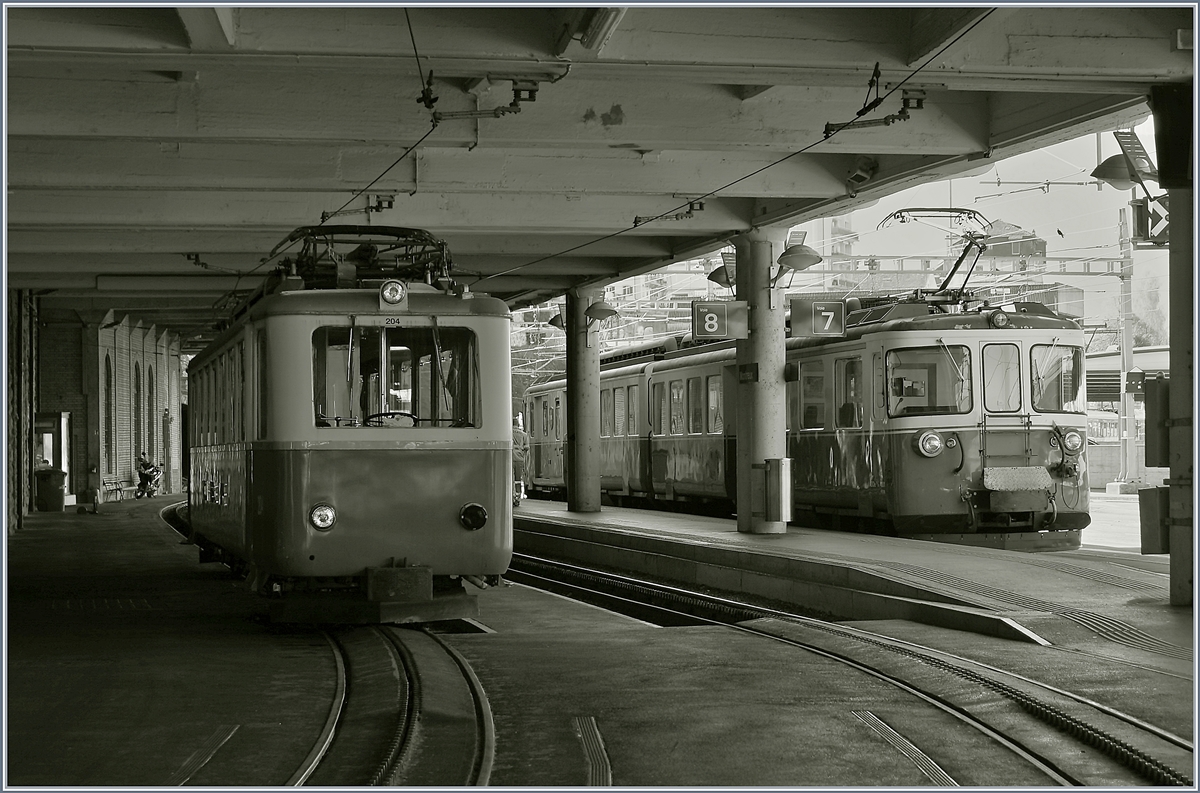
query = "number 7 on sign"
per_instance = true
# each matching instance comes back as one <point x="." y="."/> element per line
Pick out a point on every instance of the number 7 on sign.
<point x="829" y="318"/>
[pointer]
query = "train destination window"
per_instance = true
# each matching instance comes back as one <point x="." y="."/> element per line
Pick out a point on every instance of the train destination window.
<point x="847" y="392"/>
<point x="716" y="421"/>
<point x="812" y="395"/>
<point x="1001" y="378"/>
<point x="677" y="407"/>
<point x="695" y="400"/>
<point x="618" y="410"/>
<point x="924" y="380"/>
<point x="1056" y="373"/>
<point x="606" y="413"/>
<point x="631" y="421"/>
<point x="423" y="376"/>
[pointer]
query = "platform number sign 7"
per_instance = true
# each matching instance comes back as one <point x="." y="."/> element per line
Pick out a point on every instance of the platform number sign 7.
<point x="829" y="318"/>
<point x="818" y="317"/>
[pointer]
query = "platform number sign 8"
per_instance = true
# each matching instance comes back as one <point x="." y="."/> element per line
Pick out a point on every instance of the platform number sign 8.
<point x="719" y="319"/>
<point x="709" y="320"/>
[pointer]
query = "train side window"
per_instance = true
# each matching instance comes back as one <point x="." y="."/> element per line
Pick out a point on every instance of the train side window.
<point x="658" y="408"/>
<point x="716" y="421"/>
<point x="848" y="391"/>
<point x="606" y="413"/>
<point x="545" y="417"/>
<point x="1056" y="375"/>
<point x="631" y="404"/>
<point x="695" y="403"/>
<point x="812" y="395"/>
<point x="557" y="418"/>
<point x="1001" y="378"/>
<point x="677" y="407"/>
<point x="618" y="410"/>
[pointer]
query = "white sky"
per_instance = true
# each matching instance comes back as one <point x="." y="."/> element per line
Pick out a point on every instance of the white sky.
<point x="1087" y="217"/>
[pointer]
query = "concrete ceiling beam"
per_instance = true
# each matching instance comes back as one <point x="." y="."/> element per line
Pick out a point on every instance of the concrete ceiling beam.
<point x="932" y="29"/>
<point x="233" y="248"/>
<point x="209" y="28"/>
<point x="656" y="116"/>
<point x="440" y="214"/>
<point x="38" y="162"/>
<point x="738" y="42"/>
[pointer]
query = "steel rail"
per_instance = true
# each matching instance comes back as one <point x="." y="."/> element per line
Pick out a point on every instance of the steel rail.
<point x="386" y="771"/>
<point x="486" y="756"/>
<point x="331" y="721"/>
<point x="1024" y="753"/>
<point x="1131" y="757"/>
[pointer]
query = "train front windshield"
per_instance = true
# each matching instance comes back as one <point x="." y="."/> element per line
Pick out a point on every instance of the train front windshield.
<point x="924" y="380"/>
<point x="395" y="377"/>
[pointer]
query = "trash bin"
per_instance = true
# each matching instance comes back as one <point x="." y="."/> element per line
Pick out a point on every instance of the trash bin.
<point x="49" y="495"/>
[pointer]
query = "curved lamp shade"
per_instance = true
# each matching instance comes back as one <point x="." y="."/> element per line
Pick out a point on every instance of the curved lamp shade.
<point x="600" y="311"/>
<point x="720" y="276"/>
<point x="556" y="321"/>
<point x="798" y="257"/>
<point x="1115" y="171"/>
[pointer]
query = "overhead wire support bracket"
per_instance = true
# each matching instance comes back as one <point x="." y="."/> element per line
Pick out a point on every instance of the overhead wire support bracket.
<point x="523" y="91"/>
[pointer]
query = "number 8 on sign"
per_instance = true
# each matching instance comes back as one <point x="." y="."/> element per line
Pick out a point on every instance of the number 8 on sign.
<point x="711" y="324"/>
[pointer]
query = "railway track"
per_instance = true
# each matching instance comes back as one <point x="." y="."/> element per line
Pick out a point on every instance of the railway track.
<point x="1067" y="738"/>
<point x="406" y="710"/>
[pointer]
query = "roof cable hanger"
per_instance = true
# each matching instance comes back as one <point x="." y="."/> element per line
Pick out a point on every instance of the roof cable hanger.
<point x="912" y="100"/>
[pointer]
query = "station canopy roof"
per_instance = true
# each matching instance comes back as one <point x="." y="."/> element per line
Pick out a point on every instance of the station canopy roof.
<point x="156" y="154"/>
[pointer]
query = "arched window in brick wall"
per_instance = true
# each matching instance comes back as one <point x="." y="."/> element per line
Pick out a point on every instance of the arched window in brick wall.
<point x="151" y="413"/>
<point x="109" y="455"/>
<point x="138" y="448"/>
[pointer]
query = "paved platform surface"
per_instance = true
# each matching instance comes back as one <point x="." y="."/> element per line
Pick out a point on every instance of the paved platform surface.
<point x="1112" y="579"/>
<point x="127" y="660"/>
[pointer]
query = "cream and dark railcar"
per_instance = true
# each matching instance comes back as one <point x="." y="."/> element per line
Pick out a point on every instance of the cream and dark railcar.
<point x="350" y="433"/>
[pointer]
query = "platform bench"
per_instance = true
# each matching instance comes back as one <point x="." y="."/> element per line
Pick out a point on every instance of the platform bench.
<point x="114" y="489"/>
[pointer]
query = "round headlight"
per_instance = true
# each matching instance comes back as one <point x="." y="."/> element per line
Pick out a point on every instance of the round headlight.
<point x="999" y="319"/>
<point x="322" y="517"/>
<point x="930" y="443"/>
<point x="473" y="516"/>
<point x="1072" y="441"/>
<point x="392" y="292"/>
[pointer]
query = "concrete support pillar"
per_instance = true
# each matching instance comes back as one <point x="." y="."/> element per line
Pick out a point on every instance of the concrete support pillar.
<point x="583" y="406"/>
<point x="1182" y="389"/>
<point x="762" y="395"/>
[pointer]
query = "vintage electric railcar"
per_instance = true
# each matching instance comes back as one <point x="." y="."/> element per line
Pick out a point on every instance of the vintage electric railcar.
<point x="967" y="426"/>
<point x="350" y="437"/>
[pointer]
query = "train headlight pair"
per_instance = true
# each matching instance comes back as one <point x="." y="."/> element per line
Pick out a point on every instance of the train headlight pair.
<point x="929" y="443"/>
<point x="998" y="319"/>
<point x="322" y="517"/>
<point x="1072" y="441"/>
<point x="393" y="294"/>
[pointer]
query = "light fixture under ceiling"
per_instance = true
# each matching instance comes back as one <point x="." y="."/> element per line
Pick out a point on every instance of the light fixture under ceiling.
<point x="599" y="311"/>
